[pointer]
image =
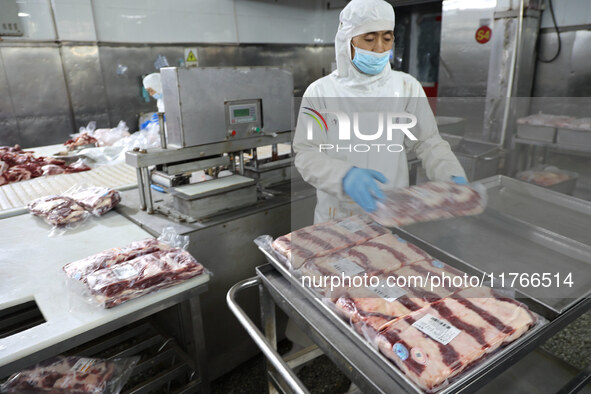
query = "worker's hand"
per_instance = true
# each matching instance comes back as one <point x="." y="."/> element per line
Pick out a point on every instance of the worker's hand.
<point x="360" y="184"/>
<point x="459" y="180"/>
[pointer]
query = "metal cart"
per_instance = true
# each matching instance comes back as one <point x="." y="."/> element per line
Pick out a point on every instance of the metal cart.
<point x="517" y="217"/>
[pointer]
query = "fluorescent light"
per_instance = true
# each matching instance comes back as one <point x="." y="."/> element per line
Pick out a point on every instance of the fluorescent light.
<point x="23" y="14"/>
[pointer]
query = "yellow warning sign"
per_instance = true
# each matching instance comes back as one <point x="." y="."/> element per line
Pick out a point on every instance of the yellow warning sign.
<point x="191" y="58"/>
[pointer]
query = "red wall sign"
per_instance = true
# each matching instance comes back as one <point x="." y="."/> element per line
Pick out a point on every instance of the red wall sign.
<point x="483" y="34"/>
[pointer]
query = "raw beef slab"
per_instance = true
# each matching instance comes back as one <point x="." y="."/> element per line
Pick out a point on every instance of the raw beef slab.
<point x="485" y="319"/>
<point x="326" y="238"/>
<point x="427" y="202"/>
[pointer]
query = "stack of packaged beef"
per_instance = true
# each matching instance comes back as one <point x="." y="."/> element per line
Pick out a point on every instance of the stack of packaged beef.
<point x="72" y="375"/>
<point x="74" y="205"/>
<point x="116" y="275"/>
<point x="421" y="313"/>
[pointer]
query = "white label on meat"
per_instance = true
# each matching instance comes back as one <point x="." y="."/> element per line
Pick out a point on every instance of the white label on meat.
<point x="351" y="225"/>
<point x="438" y="329"/>
<point x="82" y="365"/>
<point x="388" y="293"/>
<point x="124" y="271"/>
<point x="347" y="267"/>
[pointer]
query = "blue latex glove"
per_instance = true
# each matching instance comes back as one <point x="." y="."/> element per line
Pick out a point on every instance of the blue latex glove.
<point x="459" y="180"/>
<point x="360" y="185"/>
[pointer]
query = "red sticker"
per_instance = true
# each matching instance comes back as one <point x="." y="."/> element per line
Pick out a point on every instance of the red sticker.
<point x="483" y="34"/>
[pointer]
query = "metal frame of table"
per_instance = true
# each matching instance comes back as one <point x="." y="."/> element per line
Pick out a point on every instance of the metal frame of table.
<point x="190" y="306"/>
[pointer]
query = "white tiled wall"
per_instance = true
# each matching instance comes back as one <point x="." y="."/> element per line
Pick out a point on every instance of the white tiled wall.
<point x="35" y="17"/>
<point x="174" y="21"/>
<point x="155" y="21"/>
<point x="74" y="20"/>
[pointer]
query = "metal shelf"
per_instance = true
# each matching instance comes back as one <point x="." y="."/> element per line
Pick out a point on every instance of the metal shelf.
<point x="553" y="145"/>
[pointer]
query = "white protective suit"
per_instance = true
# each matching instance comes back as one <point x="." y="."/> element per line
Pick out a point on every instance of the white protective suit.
<point x="153" y="81"/>
<point x="349" y="90"/>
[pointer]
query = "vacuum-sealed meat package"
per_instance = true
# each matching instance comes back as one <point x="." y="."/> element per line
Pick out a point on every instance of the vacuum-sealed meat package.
<point x="95" y="199"/>
<point x="406" y="290"/>
<point x="57" y="211"/>
<point x="113" y="276"/>
<point x="325" y="238"/>
<point x="121" y="282"/>
<point x="72" y="375"/>
<point x="439" y="341"/>
<point x="429" y="201"/>
<point x="81" y="268"/>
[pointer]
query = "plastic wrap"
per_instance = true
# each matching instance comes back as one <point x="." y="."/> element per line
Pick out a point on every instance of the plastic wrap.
<point x="62" y="213"/>
<point x="97" y="200"/>
<point x="114" y="276"/>
<point x="429" y="201"/>
<point x="72" y="375"/>
<point x="326" y="238"/>
<point x="544" y="176"/>
<point x="108" y="137"/>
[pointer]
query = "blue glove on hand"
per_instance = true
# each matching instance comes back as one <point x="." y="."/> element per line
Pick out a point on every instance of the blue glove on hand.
<point x="360" y="185"/>
<point x="459" y="180"/>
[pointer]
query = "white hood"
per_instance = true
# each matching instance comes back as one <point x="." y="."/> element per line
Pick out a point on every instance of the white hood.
<point x="360" y="17"/>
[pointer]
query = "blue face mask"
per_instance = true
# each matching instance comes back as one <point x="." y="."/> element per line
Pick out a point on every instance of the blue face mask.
<point x="370" y="62"/>
<point x="157" y="96"/>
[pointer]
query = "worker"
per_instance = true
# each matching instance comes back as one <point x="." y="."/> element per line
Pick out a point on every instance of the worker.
<point x="347" y="181"/>
<point x="153" y="85"/>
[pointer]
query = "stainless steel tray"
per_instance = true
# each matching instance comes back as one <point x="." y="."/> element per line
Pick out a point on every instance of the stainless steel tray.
<point x="503" y="356"/>
<point x="525" y="229"/>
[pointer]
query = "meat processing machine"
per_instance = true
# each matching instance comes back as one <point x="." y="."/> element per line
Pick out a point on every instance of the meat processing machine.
<point x="233" y="121"/>
<point x="214" y="118"/>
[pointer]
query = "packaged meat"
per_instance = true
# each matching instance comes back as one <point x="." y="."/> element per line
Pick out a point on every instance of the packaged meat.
<point x="79" y="270"/>
<point x="379" y="256"/>
<point x="326" y="238"/>
<point x="57" y="211"/>
<point x="118" y="283"/>
<point x="429" y="201"/>
<point x="95" y="199"/>
<point x="408" y="289"/>
<point x="545" y="120"/>
<point x="544" y="176"/>
<point x="439" y="341"/>
<point x="114" y="276"/>
<point x="72" y="375"/>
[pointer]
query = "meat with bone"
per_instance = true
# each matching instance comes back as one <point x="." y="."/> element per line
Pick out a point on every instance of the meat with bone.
<point x="427" y="202"/>
<point x="435" y="343"/>
<point x="326" y="238"/>
<point x="413" y="287"/>
<point x="118" y="283"/>
<point x="57" y="210"/>
<point x="73" y="375"/>
<point x="97" y="200"/>
<point x="80" y="269"/>
<point x="379" y="256"/>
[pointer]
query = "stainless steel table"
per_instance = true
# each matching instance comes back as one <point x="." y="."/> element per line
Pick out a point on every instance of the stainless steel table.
<point x="31" y="266"/>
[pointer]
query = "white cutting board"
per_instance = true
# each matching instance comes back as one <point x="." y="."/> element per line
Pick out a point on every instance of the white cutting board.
<point x="31" y="269"/>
